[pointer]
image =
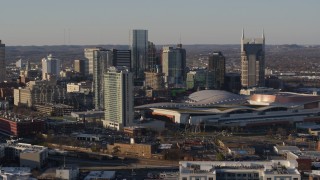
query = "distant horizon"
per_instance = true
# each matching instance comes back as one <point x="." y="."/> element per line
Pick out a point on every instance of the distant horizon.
<point x="155" y="44"/>
<point x="82" y="22"/>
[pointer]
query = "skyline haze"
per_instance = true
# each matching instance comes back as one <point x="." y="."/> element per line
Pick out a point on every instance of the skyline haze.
<point x="79" y="22"/>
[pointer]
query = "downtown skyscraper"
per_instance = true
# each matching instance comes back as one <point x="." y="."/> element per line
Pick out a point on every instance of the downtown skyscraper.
<point x="2" y="62"/>
<point x="174" y="65"/>
<point x="50" y="67"/>
<point x="118" y="96"/>
<point x="252" y="61"/>
<point x="216" y="71"/>
<point x="98" y="63"/>
<point x="139" y="51"/>
<point x="99" y="60"/>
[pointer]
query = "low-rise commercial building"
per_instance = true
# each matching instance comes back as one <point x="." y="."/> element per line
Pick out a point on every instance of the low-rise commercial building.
<point x="255" y="170"/>
<point x="100" y="175"/>
<point x="258" y="90"/>
<point x="67" y="172"/>
<point x="81" y="87"/>
<point x="32" y="156"/>
<point x="283" y="150"/>
<point x="15" y="173"/>
<point x="14" y="125"/>
<point x="54" y="109"/>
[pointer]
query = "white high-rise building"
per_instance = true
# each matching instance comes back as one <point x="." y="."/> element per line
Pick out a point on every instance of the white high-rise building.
<point x="2" y="62"/>
<point x="50" y="67"/>
<point x="89" y="53"/>
<point x="118" y="98"/>
<point x="139" y="51"/>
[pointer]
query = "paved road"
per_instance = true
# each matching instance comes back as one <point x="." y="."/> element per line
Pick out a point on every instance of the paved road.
<point x="117" y="164"/>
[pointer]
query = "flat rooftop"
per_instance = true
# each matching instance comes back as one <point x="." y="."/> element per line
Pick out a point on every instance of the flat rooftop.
<point x="100" y="175"/>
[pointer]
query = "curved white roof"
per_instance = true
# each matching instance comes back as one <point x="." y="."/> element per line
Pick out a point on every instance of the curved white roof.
<point x="215" y="97"/>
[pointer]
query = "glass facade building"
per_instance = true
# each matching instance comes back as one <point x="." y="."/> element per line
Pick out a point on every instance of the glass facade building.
<point x="139" y="51"/>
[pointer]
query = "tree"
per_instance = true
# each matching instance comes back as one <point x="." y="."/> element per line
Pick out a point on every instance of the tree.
<point x="116" y="150"/>
<point x="219" y="157"/>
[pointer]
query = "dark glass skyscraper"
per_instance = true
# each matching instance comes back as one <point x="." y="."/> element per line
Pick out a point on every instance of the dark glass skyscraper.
<point x="216" y="71"/>
<point x="2" y="62"/>
<point x="139" y="51"/>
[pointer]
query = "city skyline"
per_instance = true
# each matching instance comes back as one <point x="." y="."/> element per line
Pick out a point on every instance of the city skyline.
<point x="209" y="22"/>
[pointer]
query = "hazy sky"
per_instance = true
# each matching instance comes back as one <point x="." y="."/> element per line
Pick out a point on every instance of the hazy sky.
<point x="90" y="22"/>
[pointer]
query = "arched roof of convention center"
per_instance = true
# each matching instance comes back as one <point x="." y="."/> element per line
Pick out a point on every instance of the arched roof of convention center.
<point x="205" y="98"/>
<point x="215" y="97"/>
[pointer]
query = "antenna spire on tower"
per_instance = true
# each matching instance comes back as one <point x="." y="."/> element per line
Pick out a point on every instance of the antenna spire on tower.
<point x="242" y="33"/>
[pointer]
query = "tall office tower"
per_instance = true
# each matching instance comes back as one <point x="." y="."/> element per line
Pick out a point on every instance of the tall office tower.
<point x="252" y="61"/>
<point x="80" y="66"/>
<point x="119" y="58"/>
<point x="100" y="65"/>
<point x="2" y="62"/>
<point x="152" y="57"/>
<point x="139" y="51"/>
<point x="50" y="67"/>
<point x="216" y="71"/>
<point x="118" y="95"/>
<point x="89" y="54"/>
<point x="174" y="65"/>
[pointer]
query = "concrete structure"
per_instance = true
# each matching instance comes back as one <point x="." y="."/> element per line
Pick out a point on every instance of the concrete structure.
<point x="101" y="59"/>
<point x="258" y="90"/>
<point x="32" y="156"/>
<point x="80" y="66"/>
<point x="252" y="61"/>
<point x="304" y="159"/>
<point x="81" y="87"/>
<point x="2" y="62"/>
<point x="67" y="172"/>
<point x="245" y="170"/>
<point x="174" y="65"/>
<point x="283" y="150"/>
<point x="15" y="173"/>
<point x="50" y="67"/>
<point x="118" y="95"/>
<point x="100" y="64"/>
<point x="221" y="109"/>
<point x="14" y="125"/>
<point x="89" y="137"/>
<point x="154" y="80"/>
<point x="54" y="109"/>
<point x="216" y="71"/>
<point x="100" y="175"/>
<point x="37" y="92"/>
<point x="89" y="54"/>
<point x="85" y="115"/>
<point x="139" y="51"/>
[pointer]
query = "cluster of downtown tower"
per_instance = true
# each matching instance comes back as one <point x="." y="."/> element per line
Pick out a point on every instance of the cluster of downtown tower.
<point x="118" y="74"/>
